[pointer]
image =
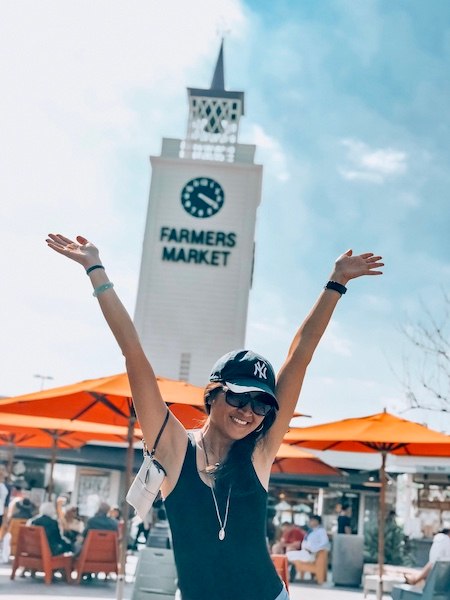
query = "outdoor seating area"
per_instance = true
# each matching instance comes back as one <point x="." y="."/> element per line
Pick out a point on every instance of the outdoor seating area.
<point x="151" y="573"/>
<point x="99" y="554"/>
<point x="437" y="586"/>
<point x="33" y="553"/>
<point x="318" y="568"/>
<point x="344" y="565"/>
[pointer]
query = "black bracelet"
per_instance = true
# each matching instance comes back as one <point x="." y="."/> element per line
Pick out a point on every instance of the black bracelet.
<point x="337" y="287"/>
<point x="93" y="268"/>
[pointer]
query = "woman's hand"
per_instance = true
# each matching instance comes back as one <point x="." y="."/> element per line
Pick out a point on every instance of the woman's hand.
<point x="81" y="251"/>
<point x="349" y="267"/>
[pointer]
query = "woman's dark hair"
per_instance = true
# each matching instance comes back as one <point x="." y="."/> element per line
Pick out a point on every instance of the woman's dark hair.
<point x="237" y="469"/>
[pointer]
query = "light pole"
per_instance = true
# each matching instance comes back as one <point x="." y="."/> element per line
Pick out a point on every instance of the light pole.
<point x="43" y="378"/>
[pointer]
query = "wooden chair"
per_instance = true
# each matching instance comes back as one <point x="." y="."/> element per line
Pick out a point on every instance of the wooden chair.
<point x="33" y="552"/>
<point x="281" y="565"/>
<point x="13" y="528"/>
<point x="437" y="585"/>
<point x="99" y="553"/>
<point x="318" y="568"/>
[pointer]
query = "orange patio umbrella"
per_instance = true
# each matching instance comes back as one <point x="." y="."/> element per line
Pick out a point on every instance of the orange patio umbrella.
<point x="105" y="400"/>
<point x="292" y="460"/>
<point x="18" y="430"/>
<point x="102" y="400"/>
<point x="383" y="433"/>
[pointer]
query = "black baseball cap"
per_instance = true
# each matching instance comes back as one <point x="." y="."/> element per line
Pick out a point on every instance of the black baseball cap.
<point x="246" y="371"/>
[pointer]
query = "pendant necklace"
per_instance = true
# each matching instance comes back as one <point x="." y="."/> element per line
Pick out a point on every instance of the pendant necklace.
<point x="210" y="470"/>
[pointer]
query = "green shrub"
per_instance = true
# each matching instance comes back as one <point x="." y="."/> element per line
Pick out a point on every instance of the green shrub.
<point x="397" y="549"/>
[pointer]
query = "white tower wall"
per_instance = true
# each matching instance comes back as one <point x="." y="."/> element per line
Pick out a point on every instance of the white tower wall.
<point x="189" y="314"/>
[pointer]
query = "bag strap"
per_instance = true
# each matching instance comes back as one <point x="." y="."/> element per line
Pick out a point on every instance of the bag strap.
<point x="163" y="426"/>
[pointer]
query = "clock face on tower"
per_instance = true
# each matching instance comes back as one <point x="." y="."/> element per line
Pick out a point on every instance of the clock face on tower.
<point x="202" y="197"/>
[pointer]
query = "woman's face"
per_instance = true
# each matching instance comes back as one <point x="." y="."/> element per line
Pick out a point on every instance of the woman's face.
<point x="235" y="423"/>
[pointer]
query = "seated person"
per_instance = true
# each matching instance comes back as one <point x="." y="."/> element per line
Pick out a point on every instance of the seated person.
<point x="291" y="538"/>
<point x="46" y="518"/>
<point x="99" y="521"/>
<point x="116" y="514"/>
<point x="70" y="524"/>
<point x="440" y="550"/>
<point x="24" y="509"/>
<point x="316" y="539"/>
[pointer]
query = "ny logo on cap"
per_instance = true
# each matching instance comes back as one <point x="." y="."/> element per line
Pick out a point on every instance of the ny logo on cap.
<point x="260" y="370"/>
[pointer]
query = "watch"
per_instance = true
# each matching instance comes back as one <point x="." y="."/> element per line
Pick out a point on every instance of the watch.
<point x="202" y="197"/>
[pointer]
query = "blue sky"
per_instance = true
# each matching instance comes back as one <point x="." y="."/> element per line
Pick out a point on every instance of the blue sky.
<point x="347" y="102"/>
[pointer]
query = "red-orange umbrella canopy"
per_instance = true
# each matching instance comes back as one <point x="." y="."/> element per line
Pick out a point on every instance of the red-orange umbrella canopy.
<point x="102" y="400"/>
<point x="383" y="433"/>
<point x="292" y="460"/>
<point x="191" y="417"/>
<point x="46" y="432"/>
<point x="43" y="432"/>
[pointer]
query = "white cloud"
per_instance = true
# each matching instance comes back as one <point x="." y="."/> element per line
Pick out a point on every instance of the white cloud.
<point x="90" y="87"/>
<point x="378" y="303"/>
<point x="73" y="71"/>
<point x="372" y="165"/>
<point x="409" y="200"/>
<point x="335" y="342"/>
<point x="272" y="154"/>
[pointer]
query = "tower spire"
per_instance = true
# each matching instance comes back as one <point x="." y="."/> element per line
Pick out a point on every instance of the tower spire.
<point x="214" y="115"/>
<point x="218" y="80"/>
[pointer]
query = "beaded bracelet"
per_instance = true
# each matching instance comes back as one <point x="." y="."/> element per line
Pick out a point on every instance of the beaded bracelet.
<point x="102" y="288"/>
<point x="93" y="268"/>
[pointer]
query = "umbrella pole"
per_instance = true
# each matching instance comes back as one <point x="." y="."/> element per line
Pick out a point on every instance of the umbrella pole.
<point x="10" y="466"/>
<point x="124" y="542"/>
<point x="52" y="467"/>
<point x="381" y="524"/>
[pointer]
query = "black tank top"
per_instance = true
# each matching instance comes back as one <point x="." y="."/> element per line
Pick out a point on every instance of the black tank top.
<point x="237" y="568"/>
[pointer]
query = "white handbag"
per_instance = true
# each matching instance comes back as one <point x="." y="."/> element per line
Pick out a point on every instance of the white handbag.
<point x="148" y="481"/>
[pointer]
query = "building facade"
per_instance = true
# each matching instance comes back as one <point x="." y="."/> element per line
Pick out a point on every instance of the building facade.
<point x="198" y="248"/>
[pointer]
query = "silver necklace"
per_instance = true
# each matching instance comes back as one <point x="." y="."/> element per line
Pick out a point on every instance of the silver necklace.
<point x="210" y="470"/>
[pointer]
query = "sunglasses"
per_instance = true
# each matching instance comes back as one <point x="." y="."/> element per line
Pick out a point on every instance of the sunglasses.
<point x="255" y="399"/>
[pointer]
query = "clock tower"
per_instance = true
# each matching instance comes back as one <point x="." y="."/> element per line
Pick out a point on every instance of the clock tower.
<point x="197" y="255"/>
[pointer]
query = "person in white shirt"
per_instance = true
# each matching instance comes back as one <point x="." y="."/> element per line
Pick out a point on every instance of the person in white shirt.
<point x="440" y="550"/>
<point x="316" y="539"/>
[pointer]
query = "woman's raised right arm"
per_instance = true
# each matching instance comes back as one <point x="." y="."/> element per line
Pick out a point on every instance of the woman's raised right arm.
<point x="149" y="404"/>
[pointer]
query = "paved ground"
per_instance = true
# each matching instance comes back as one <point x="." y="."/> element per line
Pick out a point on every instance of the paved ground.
<point x="35" y="589"/>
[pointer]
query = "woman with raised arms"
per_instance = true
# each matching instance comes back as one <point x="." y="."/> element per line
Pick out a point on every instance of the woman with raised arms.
<point x="215" y="490"/>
